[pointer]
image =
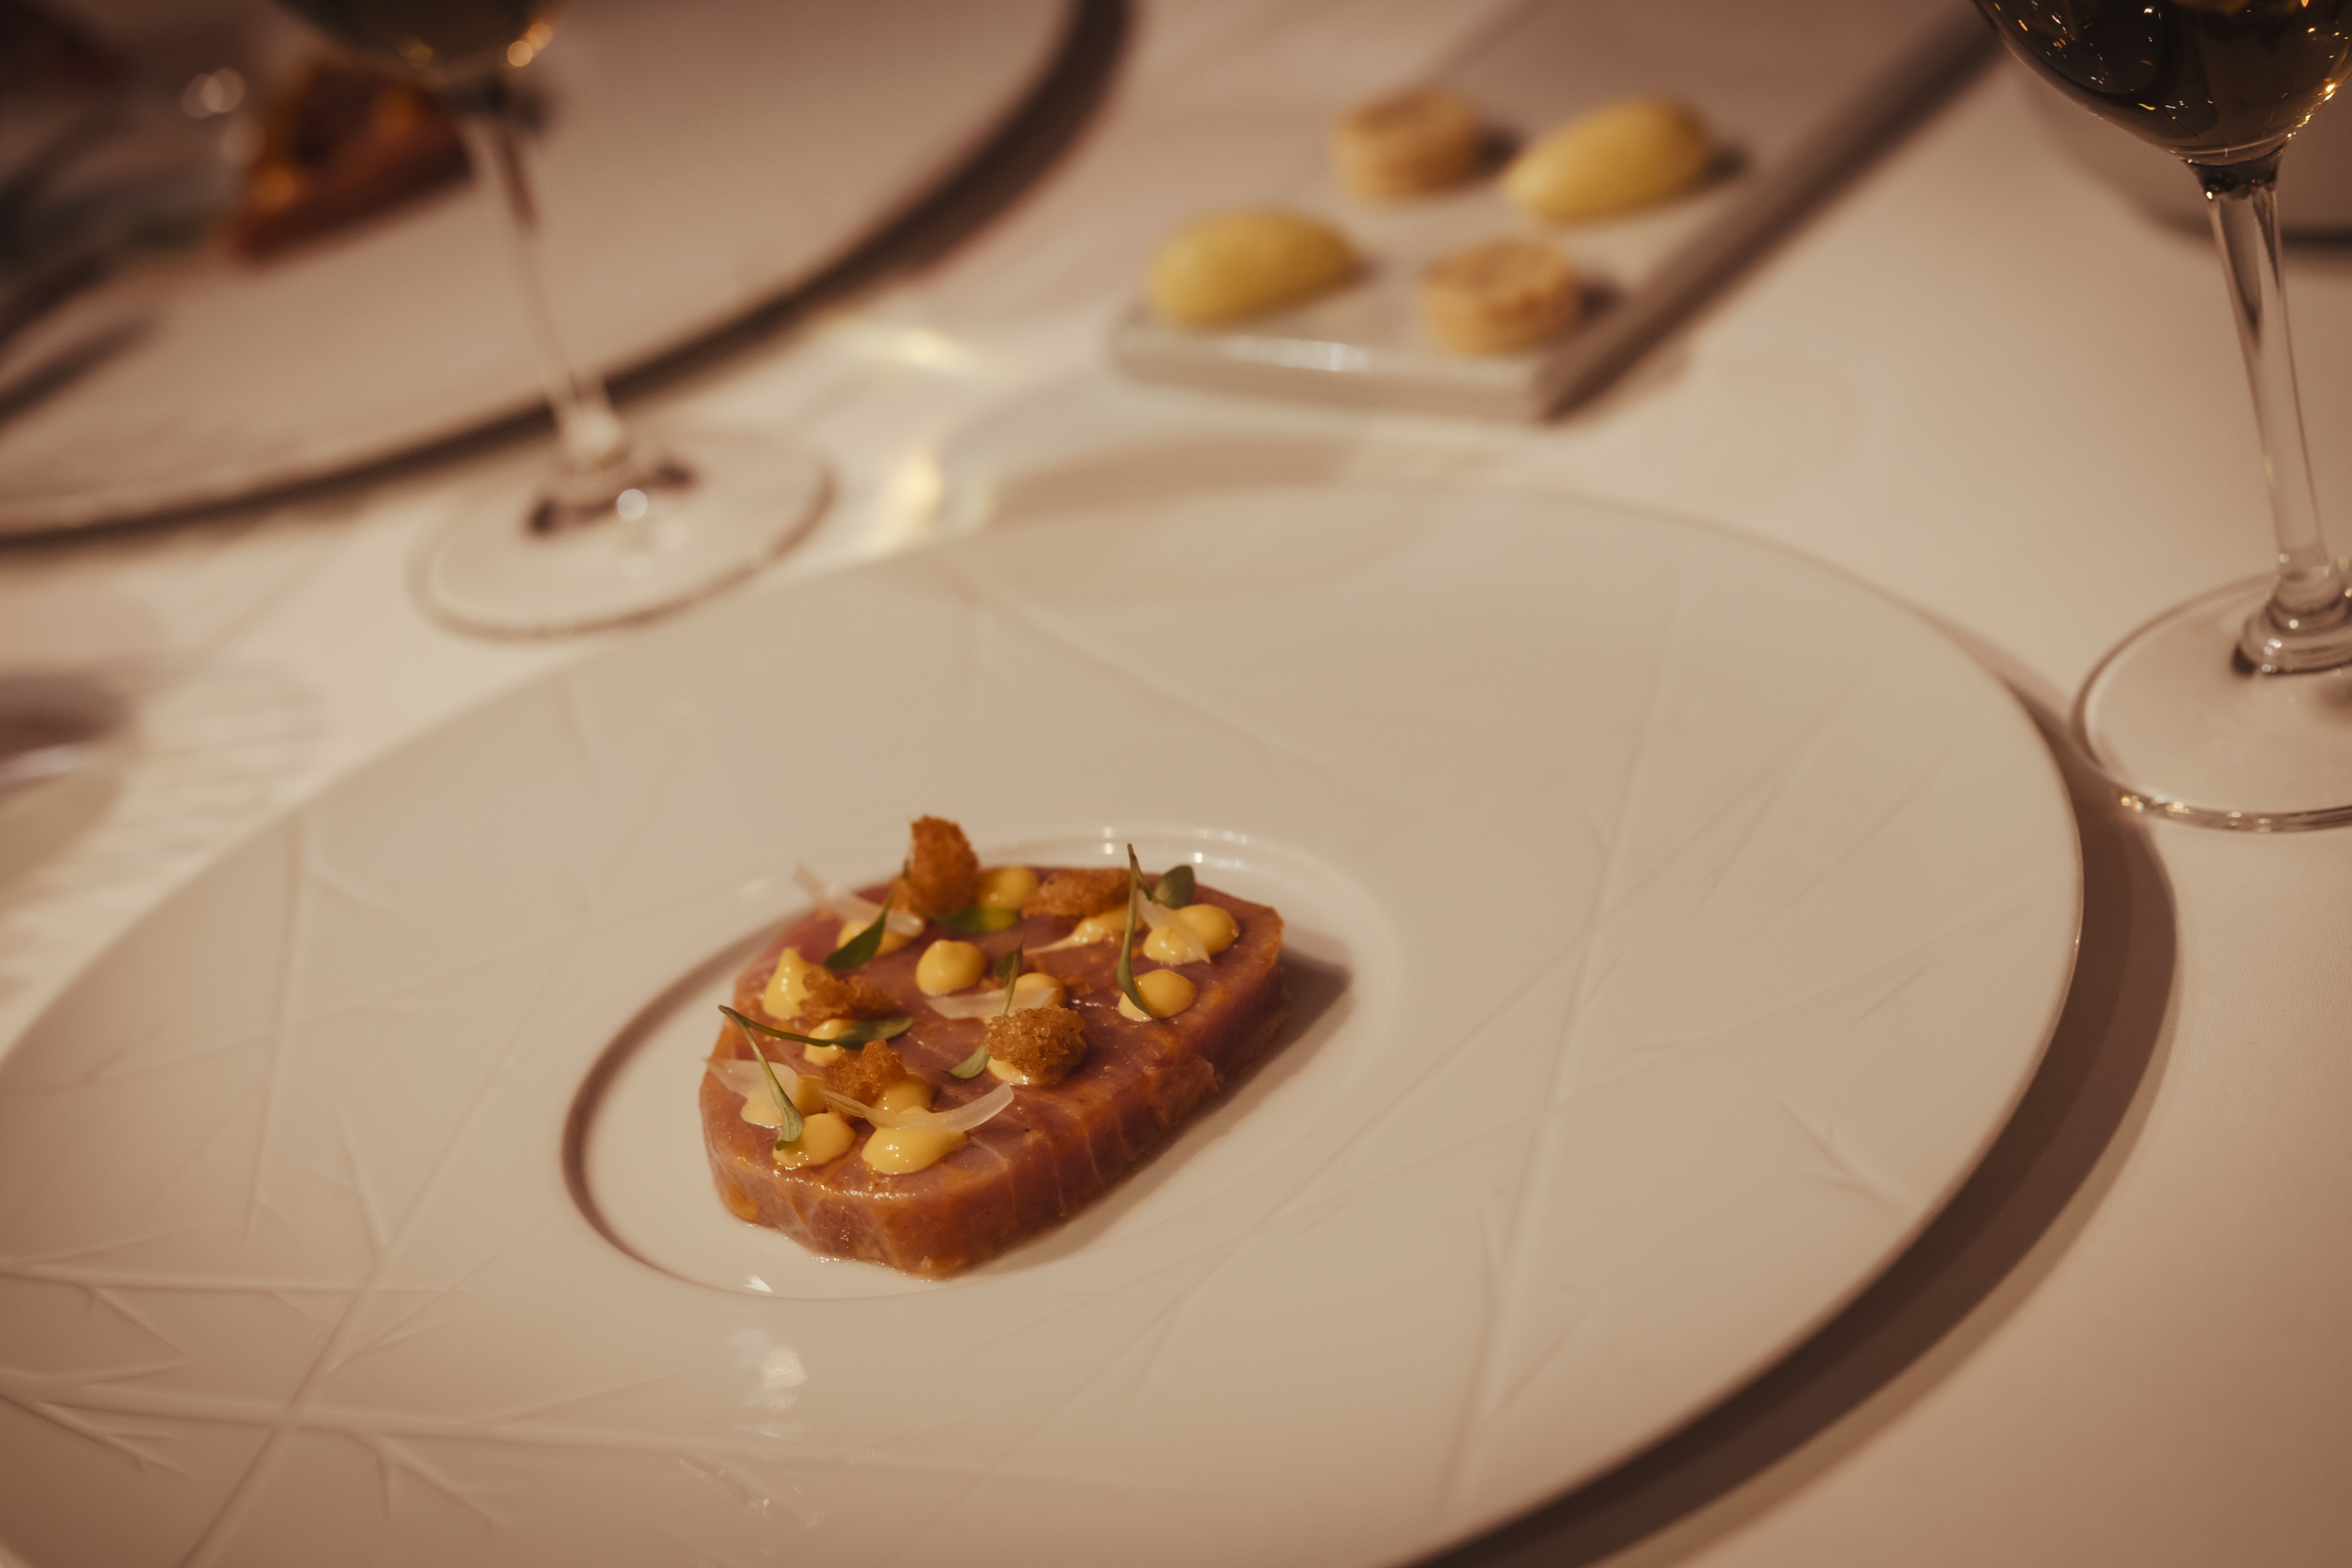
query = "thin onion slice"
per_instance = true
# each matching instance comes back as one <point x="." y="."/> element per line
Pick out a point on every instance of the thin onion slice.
<point x="962" y="1118"/>
<point x="854" y="911"/>
<point x="746" y="1079"/>
<point x="1159" y="916"/>
<point x="989" y="1004"/>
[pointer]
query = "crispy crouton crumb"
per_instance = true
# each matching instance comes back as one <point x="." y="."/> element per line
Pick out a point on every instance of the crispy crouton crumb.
<point x="942" y="873"/>
<point x="1074" y="895"/>
<point x="863" y="1075"/>
<point x="832" y="995"/>
<point x="1042" y="1044"/>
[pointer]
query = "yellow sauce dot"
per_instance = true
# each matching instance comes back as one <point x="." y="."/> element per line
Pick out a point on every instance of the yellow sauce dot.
<point x="1215" y="927"/>
<point x="825" y="1056"/>
<point x="1030" y="983"/>
<point x="1006" y="887"/>
<point x="1104" y="927"/>
<point x="896" y="1151"/>
<point x="891" y="941"/>
<point x="824" y="1139"/>
<point x="1003" y="1072"/>
<point x="949" y="966"/>
<point x="1166" y="946"/>
<point x="759" y="1105"/>
<point x="1165" y="991"/>
<point x="787" y="989"/>
<point x="906" y="1094"/>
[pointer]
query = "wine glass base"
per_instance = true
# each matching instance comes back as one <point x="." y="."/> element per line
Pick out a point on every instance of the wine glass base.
<point x="2186" y="731"/>
<point x="746" y="500"/>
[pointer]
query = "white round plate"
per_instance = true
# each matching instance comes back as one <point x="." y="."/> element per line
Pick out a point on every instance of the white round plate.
<point x="1677" y="922"/>
<point x="702" y="159"/>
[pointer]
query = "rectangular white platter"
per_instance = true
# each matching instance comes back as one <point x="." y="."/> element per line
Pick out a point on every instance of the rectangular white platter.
<point x="1798" y="93"/>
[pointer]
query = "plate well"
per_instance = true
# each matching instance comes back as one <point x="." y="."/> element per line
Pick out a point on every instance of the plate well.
<point x="633" y="1151"/>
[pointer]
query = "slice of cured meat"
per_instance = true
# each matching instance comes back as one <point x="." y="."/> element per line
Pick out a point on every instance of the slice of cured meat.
<point x="1034" y="1165"/>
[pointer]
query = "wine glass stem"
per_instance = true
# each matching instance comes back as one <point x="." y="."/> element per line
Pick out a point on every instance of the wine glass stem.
<point x="589" y="435"/>
<point x="2308" y="597"/>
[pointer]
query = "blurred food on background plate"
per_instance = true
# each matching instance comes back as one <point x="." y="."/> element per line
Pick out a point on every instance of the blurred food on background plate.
<point x="346" y="143"/>
<point x="1619" y="158"/>
<point x="1498" y="296"/>
<point x="1407" y="144"/>
<point x="1234" y="265"/>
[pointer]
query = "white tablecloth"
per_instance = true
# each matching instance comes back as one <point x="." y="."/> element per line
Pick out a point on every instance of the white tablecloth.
<point x="1977" y="381"/>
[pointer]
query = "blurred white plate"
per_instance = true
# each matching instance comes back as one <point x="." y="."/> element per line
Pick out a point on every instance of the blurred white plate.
<point x="1679" y="923"/>
<point x="703" y="159"/>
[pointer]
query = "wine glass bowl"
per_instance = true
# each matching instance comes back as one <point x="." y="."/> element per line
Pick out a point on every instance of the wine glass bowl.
<point x="2206" y="80"/>
<point x="2234" y="710"/>
<point x="444" y="40"/>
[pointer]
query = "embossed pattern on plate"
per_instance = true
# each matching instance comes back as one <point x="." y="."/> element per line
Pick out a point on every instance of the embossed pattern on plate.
<point x="1717" y="910"/>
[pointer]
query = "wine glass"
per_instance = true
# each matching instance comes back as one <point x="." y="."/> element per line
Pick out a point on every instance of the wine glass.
<point x="2235" y="709"/>
<point x="624" y="525"/>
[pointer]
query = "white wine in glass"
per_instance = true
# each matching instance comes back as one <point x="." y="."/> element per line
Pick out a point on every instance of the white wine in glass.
<point x="2235" y="709"/>
<point x="625" y="525"/>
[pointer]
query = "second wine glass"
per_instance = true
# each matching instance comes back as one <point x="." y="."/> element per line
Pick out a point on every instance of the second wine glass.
<point x="625" y="525"/>
<point x="2234" y="710"/>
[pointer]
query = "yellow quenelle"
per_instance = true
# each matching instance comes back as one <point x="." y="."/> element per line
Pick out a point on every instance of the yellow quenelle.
<point x="1107" y="926"/>
<point x="1620" y="157"/>
<point x="823" y="1138"/>
<point x="1165" y="992"/>
<point x="1006" y="887"/>
<point x="949" y="966"/>
<point x="896" y="1151"/>
<point x="759" y="1108"/>
<point x="1232" y="265"/>
<point x="787" y="990"/>
<point x="1034" y="981"/>
<point x="825" y="1056"/>
<point x="1215" y="927"/>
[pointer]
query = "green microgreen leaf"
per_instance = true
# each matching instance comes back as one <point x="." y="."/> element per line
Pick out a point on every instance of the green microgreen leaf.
<point x="980" y="919"/>
<point x="970" y="1067"/>
<point x="855" y="1037"/>
<point x="1008" y="970"/>
<point x="861" y="947"/>
<point x="1126" y="972"/>
<point x="789" y="1125"/>
<point x="1175" y="888"/>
